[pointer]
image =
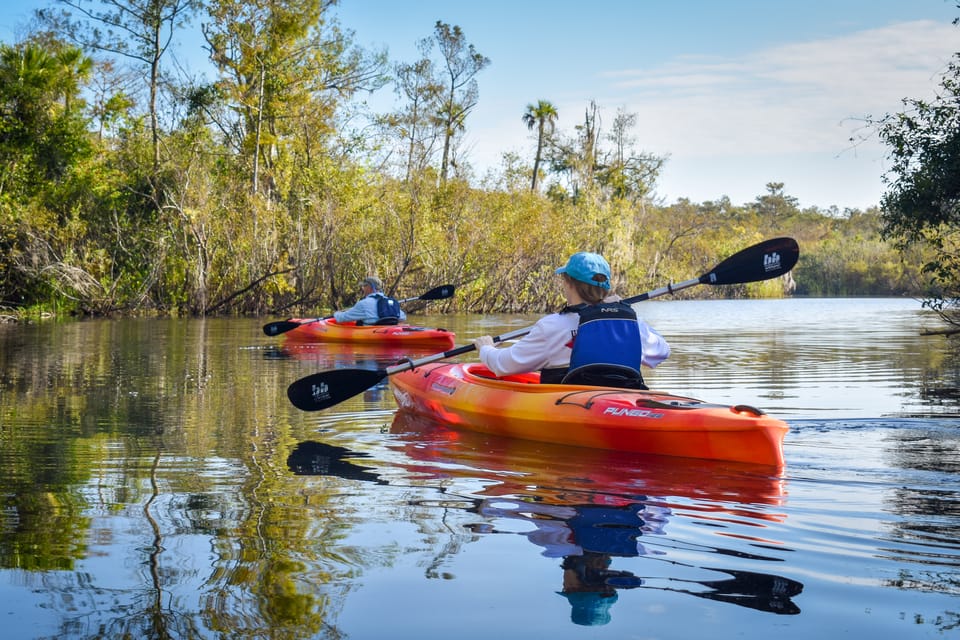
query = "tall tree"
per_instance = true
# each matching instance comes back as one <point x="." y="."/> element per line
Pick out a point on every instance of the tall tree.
<point x="261" y="50"/>
<point x="620" y="172"/>
<point x="418" y="83"/>
<point x="286" y="73"/>
<point x="625" y="172"/>
<point x="462" y="63"/>
<point x="285" y="68"/>
<point x="543" y="116"/>
<point x="139" y="30"/>
<point x="775" y="203"/>
<point x="577" y="158"/>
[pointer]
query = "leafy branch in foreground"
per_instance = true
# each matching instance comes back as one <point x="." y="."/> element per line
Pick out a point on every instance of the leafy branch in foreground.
<point x="922" y="204"/>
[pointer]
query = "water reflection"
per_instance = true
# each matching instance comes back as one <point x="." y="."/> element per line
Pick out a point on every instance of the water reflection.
<point x="312" y="458"/>
<point x="590" y="537"/>
<point x="333" y="355"/>
<point x="586" y="538"/>
<point x="591" y="511"/>
<point x="591" y="507"/>
<point x="146" y="490"/>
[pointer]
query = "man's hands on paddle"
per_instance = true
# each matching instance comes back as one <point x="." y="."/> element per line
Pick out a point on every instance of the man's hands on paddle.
<point x="483" y="341"/>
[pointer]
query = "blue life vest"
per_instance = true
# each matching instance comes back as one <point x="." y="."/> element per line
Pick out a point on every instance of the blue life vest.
<point x="607" y="349"/>
<point x="388" y="309"/>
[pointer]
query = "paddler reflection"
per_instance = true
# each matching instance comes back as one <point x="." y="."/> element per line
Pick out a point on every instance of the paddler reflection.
<point x="589" y="524"/>
<point x="595" y="510"/>
<point x="589" y="537"/>
<point x="586" y="537"/>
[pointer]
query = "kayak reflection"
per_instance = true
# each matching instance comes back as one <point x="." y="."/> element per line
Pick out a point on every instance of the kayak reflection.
<point x="565" y="474"/>
<point x="335" y="354"/>
<point x="590" y="507"/>
<point x="595" y="511"/>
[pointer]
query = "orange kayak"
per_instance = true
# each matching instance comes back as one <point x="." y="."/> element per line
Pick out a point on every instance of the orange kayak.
<point x="469" y="396"/>
<point x="396" y="335"/>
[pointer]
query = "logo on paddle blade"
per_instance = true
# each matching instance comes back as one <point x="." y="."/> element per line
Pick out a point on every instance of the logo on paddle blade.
<point x="771" y="261"/>
<point x="320" y="392"/>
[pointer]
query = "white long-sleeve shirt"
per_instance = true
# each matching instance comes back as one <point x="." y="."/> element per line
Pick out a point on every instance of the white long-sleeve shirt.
<point x="550" y="344"/>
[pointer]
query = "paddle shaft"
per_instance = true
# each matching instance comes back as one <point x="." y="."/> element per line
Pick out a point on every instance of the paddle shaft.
<point x="765" y="260"/>
<point x="519" y="333"/>
<point x="762" y="261"/>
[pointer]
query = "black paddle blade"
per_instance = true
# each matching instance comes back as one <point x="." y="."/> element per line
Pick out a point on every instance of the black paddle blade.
<point x="439" y="293"/>
<point x="763" y="261"/>
<point x="327" y="388"/>
<point x="276" y="328"/>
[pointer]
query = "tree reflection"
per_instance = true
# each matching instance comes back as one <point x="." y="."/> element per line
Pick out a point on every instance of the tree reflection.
<point x="216" y="529"/>
<point x="139" y="504"/>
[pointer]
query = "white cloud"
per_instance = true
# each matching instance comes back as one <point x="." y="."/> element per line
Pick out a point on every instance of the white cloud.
<point x="794" y="98"/>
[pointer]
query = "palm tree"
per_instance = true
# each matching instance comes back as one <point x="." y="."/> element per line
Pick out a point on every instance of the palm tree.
<point x="542" y="115"/>
<point x="42" y="130"/>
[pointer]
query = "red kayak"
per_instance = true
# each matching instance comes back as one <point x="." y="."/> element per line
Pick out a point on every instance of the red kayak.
<point x="397" y="335"/>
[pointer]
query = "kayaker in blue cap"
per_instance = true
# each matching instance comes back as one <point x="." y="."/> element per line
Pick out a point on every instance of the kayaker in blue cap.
<point x="374" y="307"/>
<point x="595" y="339"/>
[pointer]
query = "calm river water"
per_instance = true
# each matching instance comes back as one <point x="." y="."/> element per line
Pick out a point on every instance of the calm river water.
<point x="157" y="483"/>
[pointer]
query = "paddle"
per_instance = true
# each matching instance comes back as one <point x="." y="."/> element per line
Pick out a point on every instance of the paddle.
<point x="768" y="259"/>
<point x="276" y="328"/>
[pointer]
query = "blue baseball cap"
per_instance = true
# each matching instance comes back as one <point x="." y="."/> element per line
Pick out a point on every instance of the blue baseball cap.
<point x="589" y="608"/>
<point x="588" y="267"/>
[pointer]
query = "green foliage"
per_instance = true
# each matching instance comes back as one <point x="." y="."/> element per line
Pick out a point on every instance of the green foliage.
<point x="922" y="204"/>
<point x="41" y="125"/>
<point x="264" y="200"/>
<point x="42" y="138"/>
<point x="588" y="165"/>
<point x="854" y="266"/>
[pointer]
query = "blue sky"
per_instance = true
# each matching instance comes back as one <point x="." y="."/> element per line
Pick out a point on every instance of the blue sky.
<point x="738" y="93"/>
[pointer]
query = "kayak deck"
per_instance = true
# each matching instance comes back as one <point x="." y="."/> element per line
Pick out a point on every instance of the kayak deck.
<point x="469" y="396"/>
<point x="325" y="330"/>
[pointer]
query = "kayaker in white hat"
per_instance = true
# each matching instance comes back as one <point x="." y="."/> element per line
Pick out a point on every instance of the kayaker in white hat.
<point x="613" y="341"/>
<point x="374" y="307"/>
